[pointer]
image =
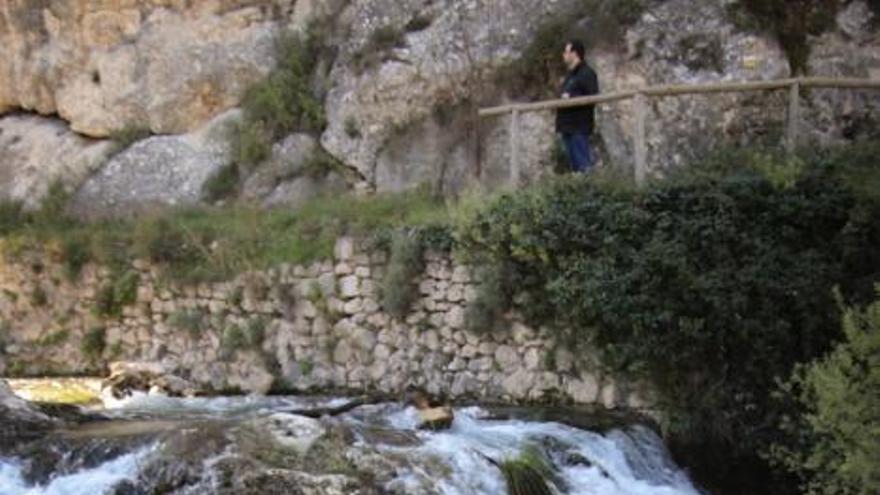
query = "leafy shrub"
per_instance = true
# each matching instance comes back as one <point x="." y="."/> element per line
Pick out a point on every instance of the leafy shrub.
<point x="837" y="442"/>
<point x="93" y="343"/>
<point x="192" y="321"/>
<point x="493" y="297"/>
<point x="404" y="265"/>
<point x="283" y="103"/>
<point x="712" y="285"/>
<point x="39" y="298"/>
<point x="53" y="209"/>
<point x="255" y="332"/>
<point x="233" y="338"/>
<point x="250" y="145"/>
<point x="76" y="252"/>
<point x="223" y="184"/>
<point x="118" y="292"/>
<point x="306" y="367"/>
<point x="163" y="240"/>
<point x="320" y="164"/>
<point x="12" y="216"/>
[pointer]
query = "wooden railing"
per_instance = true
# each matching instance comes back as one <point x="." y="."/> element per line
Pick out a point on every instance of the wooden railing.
<point x="640" y="96"/>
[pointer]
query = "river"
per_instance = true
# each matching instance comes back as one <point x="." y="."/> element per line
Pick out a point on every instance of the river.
<point x="255" y="445"/>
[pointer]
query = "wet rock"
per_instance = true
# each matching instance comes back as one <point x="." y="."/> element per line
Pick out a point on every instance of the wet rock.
<point x="19" y="420"/>
<point x="128" y="377"/>
<point x="431" y="415"/>
<point x="436" y="418"/>
<point x="294" y="432"/>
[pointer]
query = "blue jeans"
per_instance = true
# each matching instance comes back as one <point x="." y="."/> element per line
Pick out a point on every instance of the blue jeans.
<point x="580" y="155"/>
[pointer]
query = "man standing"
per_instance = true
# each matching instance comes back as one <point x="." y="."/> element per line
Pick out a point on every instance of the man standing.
<point x="575" y="124"/>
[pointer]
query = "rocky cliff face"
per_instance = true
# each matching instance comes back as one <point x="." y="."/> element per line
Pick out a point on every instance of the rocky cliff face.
<point x="165" y="65"/>
<point x="400" y="98"/>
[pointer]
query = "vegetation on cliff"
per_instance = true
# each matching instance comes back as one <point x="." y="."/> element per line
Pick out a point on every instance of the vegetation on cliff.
<point x="712" y="285"/>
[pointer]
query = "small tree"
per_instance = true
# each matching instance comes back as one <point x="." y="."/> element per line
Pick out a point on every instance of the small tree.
<point x="839" y="435"/>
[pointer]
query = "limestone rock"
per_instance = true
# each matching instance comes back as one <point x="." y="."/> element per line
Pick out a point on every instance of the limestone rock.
<point x="285" y="178"/>
<point x="158" y="171"/>
<point x="403" y="106"/>
<point x="19" y="420"/>
<point x="168" y="66"/>
<point x="289" y="157"/>
<point x="38" y="151"/>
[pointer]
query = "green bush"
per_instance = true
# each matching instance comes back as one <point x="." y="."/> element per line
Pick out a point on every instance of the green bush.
<point x="283" y="103"/>
<point x="76" y="252"/>
<point x="711" y="285"/>
<point x="233" y="339"/>
<point x="93" y="344"/>
<point x="161" y="239"/>
<point x="837" y="437"/>
<point x="320" y="164"/>
<point x="494" y="297"/>
<point x="39" y="298"/>
<point x="223" y="184"/>
<point x="255" y="332"/>
<point x="399" y="289"/>
<point x="192" y="321"/>
<point x="12" y="217"/>
<point x="116" y="293"/>
<point x="250" y="145"/>
<point x="53" y="209"/>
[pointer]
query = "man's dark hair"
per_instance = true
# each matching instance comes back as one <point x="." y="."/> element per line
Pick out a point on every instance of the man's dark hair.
<point x="577" y="46"/>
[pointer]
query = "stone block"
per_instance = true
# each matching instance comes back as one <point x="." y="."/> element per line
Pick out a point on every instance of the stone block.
<point x="343" y="268"/>
<point x="349" y="286"/>
<point x="344" y="248"/>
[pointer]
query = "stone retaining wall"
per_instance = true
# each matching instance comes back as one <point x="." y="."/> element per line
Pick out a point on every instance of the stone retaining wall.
<point x="300" y="328"/>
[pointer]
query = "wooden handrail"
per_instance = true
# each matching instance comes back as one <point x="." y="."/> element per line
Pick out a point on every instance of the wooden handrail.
<point x="683" y="89"/>
<point x="794" y="85"/>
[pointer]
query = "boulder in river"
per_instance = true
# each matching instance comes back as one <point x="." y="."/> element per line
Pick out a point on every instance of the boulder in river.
<point x="127" y="377"/>
<point x="20" y="420"/>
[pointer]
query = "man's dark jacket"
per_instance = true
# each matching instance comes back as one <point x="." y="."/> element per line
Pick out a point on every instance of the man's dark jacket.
<point x="580" y="81"/>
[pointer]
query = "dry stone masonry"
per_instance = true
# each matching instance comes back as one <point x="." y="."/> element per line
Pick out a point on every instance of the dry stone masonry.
<point x="300" y="328"/>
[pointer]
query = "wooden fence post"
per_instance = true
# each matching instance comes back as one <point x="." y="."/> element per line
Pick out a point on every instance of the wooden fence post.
<point x="639" y="139"/>
<point x="794" y="111"/>
<point x="514" y="148"/>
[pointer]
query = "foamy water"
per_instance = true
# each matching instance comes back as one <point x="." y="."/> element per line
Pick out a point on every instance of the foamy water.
<point x="629" y="461"/>
<point x="86" y="482"/>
